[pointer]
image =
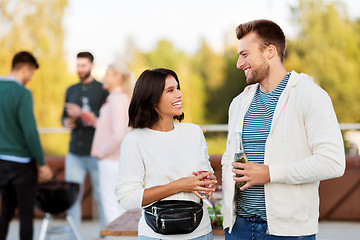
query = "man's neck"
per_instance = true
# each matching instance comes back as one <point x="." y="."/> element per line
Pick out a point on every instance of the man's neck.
<point x="274" y="79"/>
<point x="87" y="80"/>
<point x="17" y="77"/>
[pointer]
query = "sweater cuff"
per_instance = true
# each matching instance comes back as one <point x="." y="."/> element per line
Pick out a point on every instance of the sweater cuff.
<point x="133" y="200"/>
<point x="277" y="173"/>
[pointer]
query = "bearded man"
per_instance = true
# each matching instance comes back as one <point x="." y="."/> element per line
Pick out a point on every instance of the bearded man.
<point x="88" y="95"/>
<point x="291" y="136"/>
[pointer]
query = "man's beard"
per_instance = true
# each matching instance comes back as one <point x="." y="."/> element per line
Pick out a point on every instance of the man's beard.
<point x="85" y="77"/>
<point x="258" y="74"/>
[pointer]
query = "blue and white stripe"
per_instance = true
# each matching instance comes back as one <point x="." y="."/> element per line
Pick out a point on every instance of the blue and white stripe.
<point x="256" y="128"/>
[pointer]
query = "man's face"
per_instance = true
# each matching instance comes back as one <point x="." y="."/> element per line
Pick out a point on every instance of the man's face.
<point x="84" y="68"/>
<point x="251" y="59"/>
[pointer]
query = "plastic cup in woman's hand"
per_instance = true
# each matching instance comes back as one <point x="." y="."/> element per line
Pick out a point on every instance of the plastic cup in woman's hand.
<point x="204" y="193"/>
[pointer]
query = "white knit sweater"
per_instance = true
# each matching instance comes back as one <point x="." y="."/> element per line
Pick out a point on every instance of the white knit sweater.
<point x="152" y="158"/>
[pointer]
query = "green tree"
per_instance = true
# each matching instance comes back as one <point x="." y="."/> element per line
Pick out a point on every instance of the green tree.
<point x="165" y="55"/>
<point x="223" y="81"/>
<point x="36" y="26"/>
<point x="327" y="48"/>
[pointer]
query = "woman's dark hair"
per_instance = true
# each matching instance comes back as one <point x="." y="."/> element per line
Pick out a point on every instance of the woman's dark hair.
<point x="147" y="93"/>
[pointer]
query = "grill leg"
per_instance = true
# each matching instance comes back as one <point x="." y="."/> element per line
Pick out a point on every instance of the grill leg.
<point x="73" y="227"/>
<point x="44" y="226"/>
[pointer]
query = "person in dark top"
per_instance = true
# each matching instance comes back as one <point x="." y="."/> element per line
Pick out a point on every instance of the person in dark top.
<point x="21" y="155"/>
<point x="88" y="95"/>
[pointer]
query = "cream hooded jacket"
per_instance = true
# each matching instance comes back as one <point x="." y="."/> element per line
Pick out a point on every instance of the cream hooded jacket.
<point x="304" y="146"/>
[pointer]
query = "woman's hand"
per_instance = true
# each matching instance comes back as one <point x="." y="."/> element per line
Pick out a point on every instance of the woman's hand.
<point x="209" y="186"/>
<point x="185" y="184"/>
<point x="89" y="118"/>
<point x="195" y="184"/>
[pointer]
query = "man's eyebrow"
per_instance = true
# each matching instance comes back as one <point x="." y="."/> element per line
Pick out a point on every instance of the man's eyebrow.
<point x="241" y="52"/>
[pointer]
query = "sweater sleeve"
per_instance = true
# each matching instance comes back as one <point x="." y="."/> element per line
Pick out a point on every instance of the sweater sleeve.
<point x="130" y="187"/>
<point x="324" y="138"/>
<point x="28" y="125"/>
<point x="119" y="125"/>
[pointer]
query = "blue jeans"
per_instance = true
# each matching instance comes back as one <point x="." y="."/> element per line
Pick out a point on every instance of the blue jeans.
<point x="254" y="228"/>
<point x="76" y="168"/>
<point x="208" y="236"/>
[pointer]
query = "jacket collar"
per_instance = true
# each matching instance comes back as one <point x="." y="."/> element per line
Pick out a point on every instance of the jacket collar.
<point x="249" y="92"/>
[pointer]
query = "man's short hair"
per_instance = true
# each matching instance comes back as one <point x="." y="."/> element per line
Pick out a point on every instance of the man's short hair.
<point x="268" y="32"/>
<point x="23" y="58"/>
<point x="87" y="55"/>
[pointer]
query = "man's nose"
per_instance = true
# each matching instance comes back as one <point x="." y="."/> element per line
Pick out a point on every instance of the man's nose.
<point x="240" y="62"/>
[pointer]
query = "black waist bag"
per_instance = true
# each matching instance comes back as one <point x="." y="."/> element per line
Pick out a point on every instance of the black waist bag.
<point x="174" y="216"/>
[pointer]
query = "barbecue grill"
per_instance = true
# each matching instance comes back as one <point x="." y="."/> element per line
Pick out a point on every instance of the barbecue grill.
<point x="55" y="197"/>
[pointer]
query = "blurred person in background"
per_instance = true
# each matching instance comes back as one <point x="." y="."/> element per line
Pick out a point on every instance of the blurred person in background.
<point x="21" y="156"/>
<point x="111" y="128"/>
<point x="291" y="136"/>
<point x="83" y="97"/>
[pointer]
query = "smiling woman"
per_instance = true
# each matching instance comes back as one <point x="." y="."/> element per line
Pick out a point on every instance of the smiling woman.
<point x="170" y="103"/>
<point x="162" y="160"/>
<point x="156" y="96"/>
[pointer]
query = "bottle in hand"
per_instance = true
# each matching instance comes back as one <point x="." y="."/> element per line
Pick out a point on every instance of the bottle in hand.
<point x="85" y="109"/>
<point x="240" y="156"/>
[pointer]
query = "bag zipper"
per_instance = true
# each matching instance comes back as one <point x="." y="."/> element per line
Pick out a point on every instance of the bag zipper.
<point x="196" y="214"/>
<point x="163" y="221"/>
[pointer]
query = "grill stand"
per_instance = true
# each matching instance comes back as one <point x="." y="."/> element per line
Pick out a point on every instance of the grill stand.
<point x="47" y="220"/>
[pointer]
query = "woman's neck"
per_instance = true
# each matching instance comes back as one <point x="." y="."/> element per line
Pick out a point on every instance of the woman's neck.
<point x="116" y="89"/>
<point x="164" y="125"/>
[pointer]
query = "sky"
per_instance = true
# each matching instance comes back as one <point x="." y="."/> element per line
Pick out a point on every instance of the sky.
<point x="103" y="27"/>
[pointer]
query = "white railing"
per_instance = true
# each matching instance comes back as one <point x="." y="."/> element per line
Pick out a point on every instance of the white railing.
<point x="206" y="128"/>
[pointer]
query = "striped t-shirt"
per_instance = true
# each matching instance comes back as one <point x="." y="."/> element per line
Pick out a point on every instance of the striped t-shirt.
<point x="256" y="128"/>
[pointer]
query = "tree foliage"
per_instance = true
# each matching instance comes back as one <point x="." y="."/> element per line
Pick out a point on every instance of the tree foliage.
<point x="165" y="55"/>
<point x="328" y="48"/>
<point x="36" y="26"/>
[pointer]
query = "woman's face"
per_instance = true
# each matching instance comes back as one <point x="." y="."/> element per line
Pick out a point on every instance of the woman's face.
<point x="169" y="105"/>
<point x="112" y="80"/>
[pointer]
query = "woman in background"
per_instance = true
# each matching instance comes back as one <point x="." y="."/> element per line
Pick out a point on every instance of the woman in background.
<point x="111" y="127"/>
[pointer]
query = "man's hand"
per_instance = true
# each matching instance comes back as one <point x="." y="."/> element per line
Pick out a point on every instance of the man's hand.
<point x="44" y="173"/>
<point x="70" y="123"/>
<point x="254" y="174"/>
<point x="73" y="110"/>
